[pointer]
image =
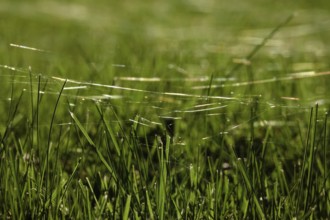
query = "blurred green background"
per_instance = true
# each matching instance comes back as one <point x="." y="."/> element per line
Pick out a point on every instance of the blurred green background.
<point x="85" y="38"/>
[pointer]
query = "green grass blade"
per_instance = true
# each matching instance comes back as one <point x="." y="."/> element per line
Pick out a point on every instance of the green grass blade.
<point x="91" y="189"/>
<point x="162" y="180"/>
<point x="90" y="141"/>
<point x="65" y="186"/>
<point x="87" y="202"/>
<point x="106" y="164"/>
<point x="325" y="148"/>
<point x="150" y="209"/>
<point x="46" y="168"/>
<point x="127" y="208"/>
<point x="304" y="162"/>
<point x="250" y="188"/>
<point x="310" y="169"/>
<point x="82" y="129"/>
<point x="109" y="130"/>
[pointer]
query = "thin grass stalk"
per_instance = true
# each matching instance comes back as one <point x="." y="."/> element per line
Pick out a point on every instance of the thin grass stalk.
<point x="109" y="131"/>
<point x="90" y="141"/>
<point x="149" y="206"/>
<point x="250" y="188"/>
<point x="32" y="104"/>
<point x="256" y="49"/>
<point x="302" y="174"/>
<point x="162" y="180"/>
<point x="311" y="162"/>
<point x="57" y="180"/>
<point x="48" y="148"/>
<point x="93" y="194"/>
<point x="324" y="148"/>
<point x="87" y="203"/>
<point x="210" y="86"/>
<point x="37" y="114"/>
<point x="15" y="197"/>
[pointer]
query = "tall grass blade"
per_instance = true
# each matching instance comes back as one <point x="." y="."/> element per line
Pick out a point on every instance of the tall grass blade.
<point x="127" y="208"/>
<point x="90" y="141"/>
<point x="91" y="189"/>
<point x="304" y="162"/>
<point x="162" y="180"/>
<point x="87" y="202"/>
<point x="82" y="129"/>
<point x="250" y="189"/>
<point x="109" y="130"/>
<point x="150" y="209"/>
<point x="66" y="184"/>
<point x="46" y="170"/>
<point x="311" y="159"/>
<point x="325" y="147"/>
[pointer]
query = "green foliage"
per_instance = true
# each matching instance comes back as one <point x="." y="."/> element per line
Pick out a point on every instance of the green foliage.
<point x="164" y="110"/>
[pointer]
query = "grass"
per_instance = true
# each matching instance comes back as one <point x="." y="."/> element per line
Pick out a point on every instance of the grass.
<point x="176" y="110"/>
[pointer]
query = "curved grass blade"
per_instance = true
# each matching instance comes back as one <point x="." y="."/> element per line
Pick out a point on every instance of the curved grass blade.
<point x="46" y="170"/>
<point x="82" y="129"/>
<point x="109" y="130"/>
<point x="90" y="141"/>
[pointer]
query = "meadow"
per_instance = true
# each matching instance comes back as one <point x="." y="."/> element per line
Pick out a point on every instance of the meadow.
<point x="179" y="109"/>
